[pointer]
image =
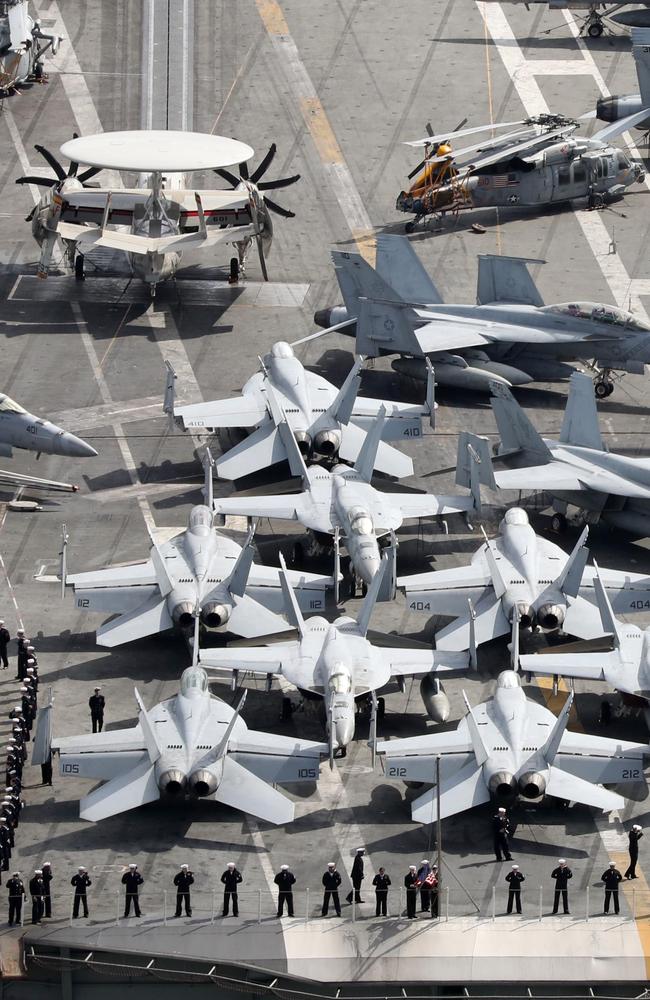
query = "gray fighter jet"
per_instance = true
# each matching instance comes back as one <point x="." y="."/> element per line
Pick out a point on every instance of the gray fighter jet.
<point x="511" y="746"/>
<point x="509" y="336"/>
<point x="614" y="107"/>
<point x="520" y="575"/>
<point x="192" y="744"/>
<point x="338" y="662"/>
<point x="24" y="430"/>
<point x="343" y="504"/>
<point x="626" y="667"/>
<point x="328" y="423"/>
<point x="195" y="572"/>
<point x="575" y="470"/>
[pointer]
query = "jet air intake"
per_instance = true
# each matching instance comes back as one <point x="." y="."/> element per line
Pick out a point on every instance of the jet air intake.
<point x="183" y="614"/>
<point x="327" y="442"/>
<point x="303" y="440"/>
<point x="550" y="616"/>
<point x="202" y="783"/>
<point x="502" y="785"/>
<point x="172" y="782"/>
<point x="214" y="615"/>
<point x="532" y="785"/>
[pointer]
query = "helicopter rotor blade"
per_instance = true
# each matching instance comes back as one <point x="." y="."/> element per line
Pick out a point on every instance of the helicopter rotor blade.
<point x="282" y="182"/>
<point x="264" y="164"/>
<point x="52" y="160"/>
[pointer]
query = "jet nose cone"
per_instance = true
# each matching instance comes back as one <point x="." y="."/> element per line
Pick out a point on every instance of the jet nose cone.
<point x="74" y="447"/>
<point x="368" y="566"/>
<point x="343" y="732"/>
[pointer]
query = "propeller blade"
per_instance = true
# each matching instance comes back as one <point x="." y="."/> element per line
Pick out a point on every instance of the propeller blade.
<point x="53" y="162"/>
<point x="227" y="176"/>
<point x="72" y="169"/>
<point x="264" y="164"/>
<point x="243" y="171"/>
<point x="278" y="209"/>
<point x="41" y="181"/>
<point x="416" y="170"/>
<point x="282" y="182"/>
<point x="260" y="251"/>
<point x="85" y="175"/>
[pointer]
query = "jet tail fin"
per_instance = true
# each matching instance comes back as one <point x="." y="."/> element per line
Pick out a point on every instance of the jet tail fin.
<point x="64" y="558"/>
<point x="169" y="400"/>
<point x="398" y="264"/>
<point x="506" y="279"/>
<point x="480" y="751"/>
<point x="222" y="746"/>
<point x="515" y="429"/>
<point x="641" y="53"/>
<point x="369" y="601"/>
<point x="552" y="745"/>
<point x="341" y="408"/>
<point x="580" y="423"/>
<point x="150" y="735"/>
<point x="238" y="579"/>
<point x="294" y="455"/>
<point x="365" y="462"/>
<point x="208" y="489"/>
<point x="474" y="464"/>
<point x="497" y="580"/>
<point x="292" y="607"/>
<point x="570" y="578"/>
<point x="610" y="623"/>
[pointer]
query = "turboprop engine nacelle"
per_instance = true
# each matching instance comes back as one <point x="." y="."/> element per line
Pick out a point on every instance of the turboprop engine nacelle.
<point x="550" y="616"/>
<point x="435" y="700"/>
<point x="502" y="785"/>
<point x="214" y="615"/>
<point x="327" y="442"/>
<point x="532" y="785"/>
<point x="171" y="781"/>
<point x="202" y="782"/>
<point x="183" y="614"/>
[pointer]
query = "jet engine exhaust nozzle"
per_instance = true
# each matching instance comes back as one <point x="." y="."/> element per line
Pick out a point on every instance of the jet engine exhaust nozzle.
<point x="214" y="615"/>
<point x="183" y="614"/>
<point x="303" y="440"/>
<point x="202" y="783"/>
<point x="172" y="782"/>
<point x="526" y="614"/>
<point x="502" y="785"/>
<point x="327" y="443"/>
<point x="532" y="785"/>
<point x="550" y="616"/>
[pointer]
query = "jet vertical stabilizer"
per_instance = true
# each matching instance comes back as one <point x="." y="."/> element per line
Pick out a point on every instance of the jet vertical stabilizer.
<point x="580" y="423"/>
<point x="365" y="463"/>
<point x="515" y="429"/>
<point x="506" y="279"/>
<point x="399" y="266"/>
<point x="641" y="53"/>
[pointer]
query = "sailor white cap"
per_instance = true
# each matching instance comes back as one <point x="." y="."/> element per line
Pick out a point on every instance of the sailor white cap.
<point x="185" y="866"/>
<point x="331" y="864"/>
<point x="636" y="827"/>
<point x="502" y="809"/>
<point x="20" y="631"/>
<point x="515" y="868"/>
<point x="425" y="861"/>
<point x="412" y="868"/>
<point x="231" y="864"/>
<point x="284" y="868"/>
<point x="38" y="871"/>
<point x="16" y="874"/>
<point x="2" y="621"/>
<point x="360" y="850"/>
<point x="46" y="864"/>
<point x="23" y="687"/>
<point x="98" y="689"/>
<point x="562" y="861"/>
<point x="82" y="868"/>
<point x="132" y="866"/>
<point x="434" y="865"/>
<point x="30" y="649"/>
<point x="18" y="708"/>
<point x="11" y="748"/>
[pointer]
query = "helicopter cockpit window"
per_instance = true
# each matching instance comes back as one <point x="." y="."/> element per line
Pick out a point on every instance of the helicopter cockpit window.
<point x="8" y="405"/>
<point x="340" y="683"/>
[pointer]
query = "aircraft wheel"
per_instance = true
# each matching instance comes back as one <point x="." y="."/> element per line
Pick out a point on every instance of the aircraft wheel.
<point x="603" y="389"/>
<point x="558" y="523"/>
<point x="381" y="708"/>
<point x="79" y="271"/>
<point x="495" y="449"/>
<point x="595" y="30"/>
<point x="610" y="388"/>
<point x="297" y="553"/>
<point x="234" y="270"/>
<point x="409" y="227"/>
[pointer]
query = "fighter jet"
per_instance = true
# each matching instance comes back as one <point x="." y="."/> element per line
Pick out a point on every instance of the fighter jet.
<point x="626" y="667"/>
<point x="511" y="746"/>
<point x="21" y="429"/>
<point x="327" y="423"/>
<point x="197" y="571"/>
<point x="192" y="744"/>
<point x="343" y="504"/>
<point x="614" y="107"/>
<point x="509" y="336"/>
<point x="575" y="470"/>
<point x="520" y="575"/>
<point x="338" y="662"/>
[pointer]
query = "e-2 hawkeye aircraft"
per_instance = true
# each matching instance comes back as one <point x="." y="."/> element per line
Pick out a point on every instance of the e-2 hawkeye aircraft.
<point x="327" y="423"/>
<point x="510" y="746"/>
<point x="192" y="744"/>
<point x="342" y="662"/>
<point x="162" y="215"/>
<point x="508" y="336"/>
<point x="541" y="163"/>
<point x="576" y="470"/>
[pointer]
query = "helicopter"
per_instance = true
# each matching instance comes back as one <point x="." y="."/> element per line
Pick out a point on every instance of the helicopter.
<point x="539" y="163"/>
<point x="160" y="217"/>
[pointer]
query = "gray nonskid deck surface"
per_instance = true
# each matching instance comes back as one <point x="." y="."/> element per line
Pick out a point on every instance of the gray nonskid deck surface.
<point x="70" y="348"/>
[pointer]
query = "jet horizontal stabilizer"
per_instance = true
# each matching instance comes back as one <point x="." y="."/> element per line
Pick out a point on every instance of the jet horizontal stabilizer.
<point x="241" y="789"/>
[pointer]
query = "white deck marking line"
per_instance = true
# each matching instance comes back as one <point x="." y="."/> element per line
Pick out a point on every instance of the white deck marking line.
<point x="98" y="416"/>
<point x="624" y="289"/>
<point x="10" y="122"/>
